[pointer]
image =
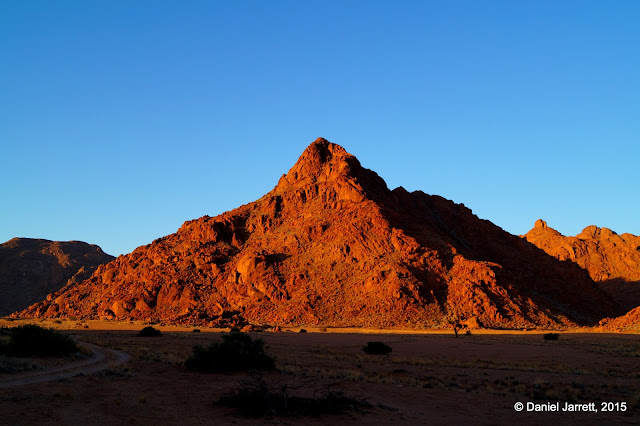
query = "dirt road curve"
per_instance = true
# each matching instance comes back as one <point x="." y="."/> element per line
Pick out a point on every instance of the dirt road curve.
<point x="102" y="359"/>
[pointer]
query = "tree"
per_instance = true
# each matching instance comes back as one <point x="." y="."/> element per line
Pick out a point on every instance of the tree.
<point x="456" y="323"/>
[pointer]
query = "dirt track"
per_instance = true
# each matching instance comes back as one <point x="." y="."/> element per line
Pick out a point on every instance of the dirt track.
<point x="102" y="359"/>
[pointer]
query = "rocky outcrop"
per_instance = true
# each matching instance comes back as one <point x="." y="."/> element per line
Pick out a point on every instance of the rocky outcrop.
<point x="612" y="260"/>
<point x="332" y="245"/>
<point x="32" y="268"/>
<point x="630" y="322"/>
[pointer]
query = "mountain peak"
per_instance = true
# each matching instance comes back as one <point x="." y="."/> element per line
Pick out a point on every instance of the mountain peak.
<point x="540" y="224"/>
<point x="320" y="141"/>
<point x="328" y="164"/>
<point x="595" y="232"/>
<point x="322" y="151"/>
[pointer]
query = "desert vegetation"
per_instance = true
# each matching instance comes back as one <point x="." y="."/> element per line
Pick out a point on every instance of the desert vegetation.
<point x="256" y="398"/>
<point x="149" y="331"/>
<point x="470" y="378"/>
<point x="10" y="365"/>
<point x="236" y="351"/>
<point x="376" y="348"/>
<point x="33" y="340"/>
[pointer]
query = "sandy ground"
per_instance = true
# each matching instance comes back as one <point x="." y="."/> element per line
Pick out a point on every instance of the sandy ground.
<point x="432" y="378"/>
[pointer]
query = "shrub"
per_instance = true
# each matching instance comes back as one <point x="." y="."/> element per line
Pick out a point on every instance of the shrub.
<point x="551" y="336"/>
<point x="4" y="340"/>
<point x="302" y="330"/>
<point x="196" y="330"/>
<point x="236" y="352"/>
<point x="33" y="340"/>
<point x="150" y="332"/>
<point x="376" y="348"/>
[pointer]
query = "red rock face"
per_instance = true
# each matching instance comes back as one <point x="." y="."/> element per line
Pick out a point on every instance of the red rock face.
<point x="630" y="322"/>
<point x="31" y="268"/>
<point x="332" y="245"/>
<point x="612" y="260"/>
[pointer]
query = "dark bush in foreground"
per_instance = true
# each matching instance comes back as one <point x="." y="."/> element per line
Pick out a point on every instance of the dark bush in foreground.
<point x="377" y="348"/>
<point x="302" y="330"/>
<point x="4" y="340"/>
<point x="255" y="398"/>
<point x="33" y="340"/>
<point x="236" y="352"/>
<point x="551" y="336"/>
<point x="150" y="332"/>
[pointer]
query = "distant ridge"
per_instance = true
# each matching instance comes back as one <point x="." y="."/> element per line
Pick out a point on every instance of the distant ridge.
<point x="332" y="245"/>
<point x="612" y="260"/>
<point x="32" y="268"/>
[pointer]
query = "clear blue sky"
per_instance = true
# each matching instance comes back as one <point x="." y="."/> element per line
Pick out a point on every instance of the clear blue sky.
<point x="119" y="120"/>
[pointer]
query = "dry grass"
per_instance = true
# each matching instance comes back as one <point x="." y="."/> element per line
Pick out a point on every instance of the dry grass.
<point x="487" y="371"/>
<point x="16" y="365"/>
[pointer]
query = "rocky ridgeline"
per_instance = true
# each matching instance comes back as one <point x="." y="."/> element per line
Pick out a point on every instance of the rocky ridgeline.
<point x="332" y="245"/>
<point x="32" y="268"/>
<point x="630" y="322"/>
<point x="612" y="260"/>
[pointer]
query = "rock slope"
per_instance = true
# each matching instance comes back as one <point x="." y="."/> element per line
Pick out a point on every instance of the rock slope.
<point x="332" y="245"/>
<point x="32" y="268"/>
<point x="630" y="322"/>
<point x="612" y="260"/>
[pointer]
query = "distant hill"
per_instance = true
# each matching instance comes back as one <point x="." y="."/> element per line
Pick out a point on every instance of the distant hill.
<point x="32" y="268"/>
<point x="612" y="260"/>
<point x="630" y="322"/>
<point x="332" y="245"/>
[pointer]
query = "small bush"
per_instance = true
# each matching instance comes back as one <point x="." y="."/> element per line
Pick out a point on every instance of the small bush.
<point x="196" y="330"/>
<point x="236" y="352"/>
<point x="376" y="348"/>
<point x="302" y="330"/>
<point x="150" y="332"/>
<point x="551" y="336"/>
<point x="119" y="371"/>
<point x="4" y="348"/>
<point x="33" y="340"/>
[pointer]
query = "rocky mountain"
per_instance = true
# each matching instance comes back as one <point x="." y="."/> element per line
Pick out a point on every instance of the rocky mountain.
<point x="332" y="245"/>
<point x="32" y="268"/>
<point x="612" y="260"/>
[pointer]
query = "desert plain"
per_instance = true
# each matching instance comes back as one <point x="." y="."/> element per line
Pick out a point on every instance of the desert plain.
<point x="430" y="377"/>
